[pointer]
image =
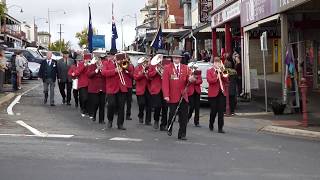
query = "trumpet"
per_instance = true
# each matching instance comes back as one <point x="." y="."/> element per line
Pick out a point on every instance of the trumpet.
<point x="99" y="65"/>
<point x="220" y="69"/>
<point x="157" y="61"/>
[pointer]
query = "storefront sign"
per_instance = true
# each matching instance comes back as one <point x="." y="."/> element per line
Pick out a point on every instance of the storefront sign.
<point x="226" y="14"/>
<point x="255" y="10"/>
<point x="205" y="7"/>
<point x="218" y="3"/>
<point x="288" y="4"/>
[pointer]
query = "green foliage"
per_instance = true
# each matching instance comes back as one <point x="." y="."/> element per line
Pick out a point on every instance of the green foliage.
<point x="57" y="46"/>
<point x="83" y="37"/>
<point x="3" y="9"/>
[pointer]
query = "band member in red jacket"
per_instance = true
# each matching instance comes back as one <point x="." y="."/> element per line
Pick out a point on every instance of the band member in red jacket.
<point x="194" y="91"/>
<point x="75" y="89"/>
<point x="154" y="86"/>
<point x="128" y="77"/>
<point x="174" y="82"/>
<point x="142" y="92"/>
<point x="81" y="74"/>
<point x="216" y="94"/>
<point x="96" y="90"/>
<point x="116" y="88"/>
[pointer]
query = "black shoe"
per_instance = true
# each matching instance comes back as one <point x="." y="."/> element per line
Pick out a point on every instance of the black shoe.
<point x="211" y="127"/>
<point x="68" y="104"/>
<point x="52" y="105"/>
<point x="148" y="124"/>
<point x="109" y="124"/>
<point x="163" y="128"/>
<point x="141" y="120"/>
<point x="102" y="122"/>
<point x="121" y="128"/>
<point x="63" y="101"/>
<point x="197" y="125"/>
<point x="169" y="132"/>
<point x="156" y="125"/>
<point x="221" y="131"/>
<point x="128" y="118"/>
<point x="92" y="118"/>
<point x="182" y="138"/>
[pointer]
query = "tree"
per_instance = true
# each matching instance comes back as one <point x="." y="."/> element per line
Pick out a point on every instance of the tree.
<point x="57" y="46"/>
<point x="3" y="9"/>
<point x="83" y="36"/>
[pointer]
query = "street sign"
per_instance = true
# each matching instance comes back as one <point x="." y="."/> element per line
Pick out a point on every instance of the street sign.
<point x="263" y="41"/>
<point x="98" y="41"/>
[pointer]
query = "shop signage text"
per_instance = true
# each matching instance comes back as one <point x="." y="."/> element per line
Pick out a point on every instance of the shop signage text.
<point x="205" y="7"/>
<point x="226" y="14"/>
<point x="288" y="4"/>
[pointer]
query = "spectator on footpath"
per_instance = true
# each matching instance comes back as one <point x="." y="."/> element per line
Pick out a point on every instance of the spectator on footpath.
<point x="238" y="68"/>
<point x="20" y="65"/>
<point x="3" y="68"/>
<point x="13" y="72"/>
<point x="48" y="74"/>
<point x="232" y="86"/>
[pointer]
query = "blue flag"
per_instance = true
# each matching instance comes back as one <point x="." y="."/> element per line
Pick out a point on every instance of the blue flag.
<point x="157" y="42"/>
<point x="90" y="32"/>
<point x="114" y="36"/>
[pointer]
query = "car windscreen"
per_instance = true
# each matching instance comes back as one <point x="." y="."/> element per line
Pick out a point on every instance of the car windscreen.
<point x="34" y="54"/>
<point x="203" y="68"/>
<point x="56" y="53"/>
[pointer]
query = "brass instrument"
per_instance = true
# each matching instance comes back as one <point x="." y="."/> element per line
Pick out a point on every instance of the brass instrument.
<point x="220" y="69"/>
<point x="157" y="61"/>
<point x="122" y="63"/>
<point x="99" y="65"/>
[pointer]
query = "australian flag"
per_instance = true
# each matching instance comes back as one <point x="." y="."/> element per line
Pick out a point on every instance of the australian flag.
<point x="90" y="32"/>
<point x="157" y="42"/>
<point x="114" y="36"/>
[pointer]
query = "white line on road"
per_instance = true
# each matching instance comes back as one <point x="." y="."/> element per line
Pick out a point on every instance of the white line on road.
<point x="125" y="139"/>
<point x="17" y="99"/>
<point x="18" y="135"/>
<point x="37" y="133"/>
<point x="31" y="129"/>
<point x="10" y="107"/>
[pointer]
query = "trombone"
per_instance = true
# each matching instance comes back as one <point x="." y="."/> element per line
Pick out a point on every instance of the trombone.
<point x="220" y="69"/>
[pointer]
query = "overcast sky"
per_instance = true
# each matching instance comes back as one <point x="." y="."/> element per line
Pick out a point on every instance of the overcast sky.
<point x="76" y="17"/>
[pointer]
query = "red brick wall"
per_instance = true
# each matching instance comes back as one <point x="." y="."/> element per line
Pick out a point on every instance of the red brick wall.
<point x="173" y="8"/>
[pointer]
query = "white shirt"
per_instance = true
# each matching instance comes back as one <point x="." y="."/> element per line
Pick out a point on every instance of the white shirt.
<point x="177" y="66"/>
<point x="49" y="61"/>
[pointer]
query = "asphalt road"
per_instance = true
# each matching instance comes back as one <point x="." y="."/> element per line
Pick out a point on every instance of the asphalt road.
<point x="243" y="153"/>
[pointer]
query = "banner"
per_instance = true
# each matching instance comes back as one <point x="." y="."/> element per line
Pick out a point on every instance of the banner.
<point x="98" y="41"/>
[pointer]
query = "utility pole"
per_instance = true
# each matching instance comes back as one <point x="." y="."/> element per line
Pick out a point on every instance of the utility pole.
<point x="157" y="14"/>
<point x="60" y="34"/>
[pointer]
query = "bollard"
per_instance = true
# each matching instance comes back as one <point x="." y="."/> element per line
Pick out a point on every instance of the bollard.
<point x="304" y="88"/>
<point x="227" y="84"/>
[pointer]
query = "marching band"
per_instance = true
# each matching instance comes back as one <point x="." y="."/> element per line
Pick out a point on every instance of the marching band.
<point x="159" y="85"/>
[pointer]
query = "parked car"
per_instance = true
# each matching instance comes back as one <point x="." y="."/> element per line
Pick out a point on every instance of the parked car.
<point x="33" y="69"/>
<point x="30" y="55"/>
<point x="26" y="71"/>
<point x="203" y="67"/>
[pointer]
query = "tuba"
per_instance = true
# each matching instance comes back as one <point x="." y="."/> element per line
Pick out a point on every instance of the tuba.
<point x="157" y="61"/>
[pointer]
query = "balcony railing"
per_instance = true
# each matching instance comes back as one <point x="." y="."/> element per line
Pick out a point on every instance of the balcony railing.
<point x="12" y="32"/>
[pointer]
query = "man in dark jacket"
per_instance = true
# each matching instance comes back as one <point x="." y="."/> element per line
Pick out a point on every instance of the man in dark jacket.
<point x="64" y="80"/>
<point x="48" y="73"/>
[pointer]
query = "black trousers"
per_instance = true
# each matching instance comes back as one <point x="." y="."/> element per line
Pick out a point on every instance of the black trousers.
<point x="160" y="107"/>
<point x="62" y="88"/>
<point x="183" y="117"/>
<point x="97" y="101"/>
<point x="144" y="105"/>
<point x="116" y="102"/>
<point x="83" y="97"/>
<point x="194" y="105"/>
<point x="128" y="102"/>
<point x="233" y="102"/>
<point x="76" y="96"/>
<point x="217" y="105"/>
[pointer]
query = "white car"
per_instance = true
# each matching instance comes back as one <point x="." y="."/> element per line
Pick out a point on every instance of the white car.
<point x="203" y="67"/>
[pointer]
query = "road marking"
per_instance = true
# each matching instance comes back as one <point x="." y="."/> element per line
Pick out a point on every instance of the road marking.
<point x="31" y="129"/>
<point x="18" y="135"/>
<point x="37" y="133"/>
<point x="17" y="99"/>
<point x="125" y="139"/>
<point x="10" y="107"/>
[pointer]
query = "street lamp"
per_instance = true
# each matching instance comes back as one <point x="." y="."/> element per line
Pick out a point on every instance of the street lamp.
<point x="54" y="11"/>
